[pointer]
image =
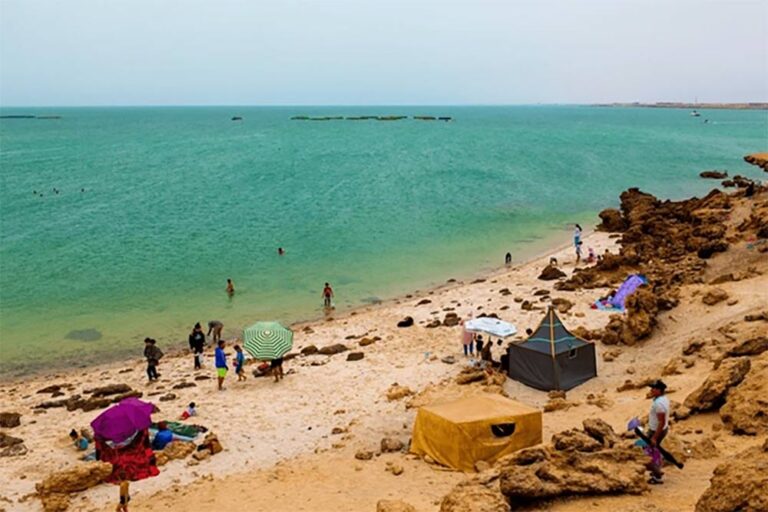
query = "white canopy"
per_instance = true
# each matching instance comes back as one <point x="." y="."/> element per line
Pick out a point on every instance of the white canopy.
<point x="491" y="327"/>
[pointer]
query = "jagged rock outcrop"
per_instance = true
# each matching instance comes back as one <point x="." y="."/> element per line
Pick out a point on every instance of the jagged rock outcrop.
<point x="740" y="484"/>
<point x="612" y="220"/>
<point x="550" y="273"/>
<point x="714" y="175"/>
<point x="536" y="473"/>
<point x="758" y="159"/>
<point x="642" y="310"/>
<point x="394" y="506"/>
<point x="750" y="347"/>
<point x="54" y="490"/>
<point x="174" y="450"/>
<point x="714" y="390"/>
<point x="746" y="408"/>
<point x="476" y="495"/>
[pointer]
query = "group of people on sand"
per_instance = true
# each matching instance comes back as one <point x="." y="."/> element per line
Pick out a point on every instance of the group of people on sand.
<point x="197" y="343"/>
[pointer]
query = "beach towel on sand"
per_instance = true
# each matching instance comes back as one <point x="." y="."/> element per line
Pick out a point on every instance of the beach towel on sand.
<point x="627" y="288"/>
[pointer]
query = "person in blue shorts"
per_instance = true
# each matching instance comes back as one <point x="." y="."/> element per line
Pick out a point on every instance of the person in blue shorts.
<point x="239" y="363"/>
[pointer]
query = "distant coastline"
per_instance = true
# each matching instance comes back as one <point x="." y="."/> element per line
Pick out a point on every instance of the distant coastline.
<point x="697" y="106"/>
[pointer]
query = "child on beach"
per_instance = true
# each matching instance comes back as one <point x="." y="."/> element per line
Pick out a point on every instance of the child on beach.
<point x="190" y="411"/>
<point x="80" y="441"/>
<point x="479" y="344"/>
<point x="221" y="364"/>
<point x="239" y="363"/>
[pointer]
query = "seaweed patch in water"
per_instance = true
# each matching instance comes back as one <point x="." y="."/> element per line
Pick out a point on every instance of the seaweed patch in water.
<point x="84" y="335"/>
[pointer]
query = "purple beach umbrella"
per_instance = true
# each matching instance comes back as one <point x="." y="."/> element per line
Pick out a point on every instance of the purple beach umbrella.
<point x="121" y="421"/>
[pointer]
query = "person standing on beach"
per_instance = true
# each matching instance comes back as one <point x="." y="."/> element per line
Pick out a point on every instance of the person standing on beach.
<point x="508" y="258"/>
<point x="327" y="296"/>
<point x="577" y="235"/>
<point x="578" y="252"/>
<point x="230" y="287"/>
<point x="215" y="327"/>
<point x="276" y="365"/>
<point x="467" y="340"/>
<point x="239" y="363"/>
<point x="153" y="355"/>
<point x="221" y="364"/>
<point x="197" y="344"/>
<point x="658" y="426"/>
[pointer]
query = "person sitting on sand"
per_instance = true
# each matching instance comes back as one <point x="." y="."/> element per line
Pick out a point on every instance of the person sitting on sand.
<point x="230" y="287"/>
<point x="215" y="327"/>
<point x="590" y="255"/>
<point x="239" y="363"/>
<point x="553" y="261"/>
<point x="190" y="411"/>
<point x="276" y="365"/>
<point x="80" y="441"/>
<point x="163" y="436"/>
<point x="221" y="364"/>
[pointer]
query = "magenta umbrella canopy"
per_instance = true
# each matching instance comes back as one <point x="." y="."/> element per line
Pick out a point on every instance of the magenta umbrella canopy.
<point x="121" y="421"/>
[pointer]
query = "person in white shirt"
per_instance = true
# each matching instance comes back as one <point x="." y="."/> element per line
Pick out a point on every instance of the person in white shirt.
<point x="658" y="426"/>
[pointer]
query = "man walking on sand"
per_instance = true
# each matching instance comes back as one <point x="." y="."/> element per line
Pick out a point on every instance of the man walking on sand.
<point x="658" y="426"/>
<point x="153" y="354"/>
<point x="221" y="364"/>
<point x="215" y="327"/>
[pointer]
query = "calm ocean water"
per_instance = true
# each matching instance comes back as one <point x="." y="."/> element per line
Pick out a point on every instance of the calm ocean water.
<point x="176" y="200"/>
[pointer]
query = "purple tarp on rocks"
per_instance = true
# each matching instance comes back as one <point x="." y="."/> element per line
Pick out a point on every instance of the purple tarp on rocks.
<point x="627" y="288"/>
<point x="121" y="421"/>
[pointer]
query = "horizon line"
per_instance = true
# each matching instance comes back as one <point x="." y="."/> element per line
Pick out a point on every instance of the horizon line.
<point x="428" y="105"/>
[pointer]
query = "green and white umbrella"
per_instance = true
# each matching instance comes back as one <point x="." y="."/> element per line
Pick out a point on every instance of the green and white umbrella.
<point x="267" y="340"/>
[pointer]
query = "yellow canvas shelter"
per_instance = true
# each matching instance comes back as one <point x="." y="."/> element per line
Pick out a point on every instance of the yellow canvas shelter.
<point x="486" y="427"/>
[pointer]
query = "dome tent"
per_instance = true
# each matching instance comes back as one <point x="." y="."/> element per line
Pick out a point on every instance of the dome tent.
<point x="552" y="357"/>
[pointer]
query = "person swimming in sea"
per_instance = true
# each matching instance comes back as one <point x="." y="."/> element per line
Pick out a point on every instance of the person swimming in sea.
<point x="280" y="251"/>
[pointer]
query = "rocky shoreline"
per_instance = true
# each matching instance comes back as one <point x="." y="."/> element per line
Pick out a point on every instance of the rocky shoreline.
<point x="339" y="424"/>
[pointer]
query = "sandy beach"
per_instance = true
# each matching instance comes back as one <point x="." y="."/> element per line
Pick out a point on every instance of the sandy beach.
<point x="296" y="444"/>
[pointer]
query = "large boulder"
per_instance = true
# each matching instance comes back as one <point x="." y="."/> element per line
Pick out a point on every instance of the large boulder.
<point x="575" y="440"/>
<point x="475" y="495"/>
<point x="713" y="296"/>
<point x="713" y="391"/>
<point x="405" y="322"/>
<point x="740" y="484"/>
<point x="750" y="347"/>
<point x="10" y="419"/>
<point x="330" y="350"/>
<point x="54" y="490"/>
<point x="550" y="273"/>
<point x="538" y="474"/>
<point x="746" y="409"/>
<point x="600" y="430"/>
<point x="714" y="175"/>
<point x="174" y="450"/>
<point x="111" y="389"/>
<point x="611" y="220"/>
<point x="396" y="392"/>
<point x="394" y="506"/>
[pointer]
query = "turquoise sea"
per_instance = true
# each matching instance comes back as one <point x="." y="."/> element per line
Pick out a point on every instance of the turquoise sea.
<point x="157" y="207"/>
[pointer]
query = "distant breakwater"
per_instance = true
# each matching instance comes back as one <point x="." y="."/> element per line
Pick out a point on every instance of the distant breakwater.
<point x="371" y="118"/>
<point x="28" y="116"/>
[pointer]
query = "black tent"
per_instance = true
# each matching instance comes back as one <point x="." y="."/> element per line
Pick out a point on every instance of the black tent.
<point x="552" y="357"/>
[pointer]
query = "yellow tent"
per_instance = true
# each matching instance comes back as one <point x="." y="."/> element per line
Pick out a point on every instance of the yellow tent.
<point x="486" y="427"/>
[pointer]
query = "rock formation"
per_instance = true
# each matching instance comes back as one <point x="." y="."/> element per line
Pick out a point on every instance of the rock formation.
<point x="746" y="408"/>
<point x="713" y="391"/>
<point x="54" y="490"/>
<point x="738" y="484"/>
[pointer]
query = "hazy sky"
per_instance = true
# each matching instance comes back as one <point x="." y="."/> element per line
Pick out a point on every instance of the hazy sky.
<point x="288" y="52"/>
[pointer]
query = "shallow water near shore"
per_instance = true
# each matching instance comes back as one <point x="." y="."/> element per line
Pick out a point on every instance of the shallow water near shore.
<point x="158" y="206"/>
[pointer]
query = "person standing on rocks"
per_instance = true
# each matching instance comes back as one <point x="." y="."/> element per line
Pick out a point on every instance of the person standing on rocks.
<point x="658" y="426"/>
<point x="197" y="344"/>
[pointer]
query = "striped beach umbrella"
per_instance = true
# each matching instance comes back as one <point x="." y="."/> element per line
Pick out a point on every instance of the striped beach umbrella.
<point x="267" y="340"/>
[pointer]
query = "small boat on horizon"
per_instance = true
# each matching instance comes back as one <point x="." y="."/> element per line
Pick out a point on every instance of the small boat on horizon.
<point x="695" y="113"/>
